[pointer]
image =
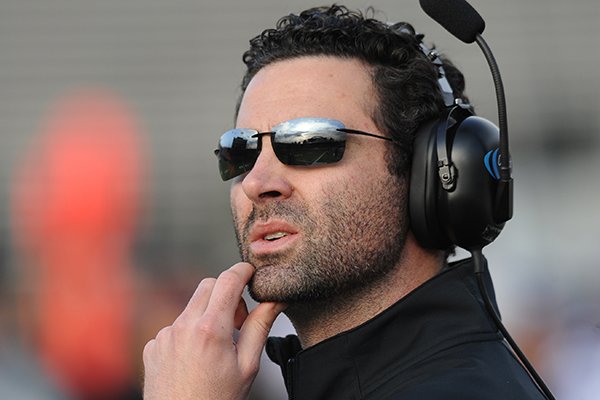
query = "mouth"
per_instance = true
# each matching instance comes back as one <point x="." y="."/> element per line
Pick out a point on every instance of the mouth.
<point x="271" y="237"/>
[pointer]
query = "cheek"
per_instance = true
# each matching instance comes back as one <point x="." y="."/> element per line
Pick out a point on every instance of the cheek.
<point x="365" y="173"/>
<point x="367" y="159"/>
<point x="239" y="202"/>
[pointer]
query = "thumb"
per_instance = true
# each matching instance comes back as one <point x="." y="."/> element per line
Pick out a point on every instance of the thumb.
<point x="254" y="333"/>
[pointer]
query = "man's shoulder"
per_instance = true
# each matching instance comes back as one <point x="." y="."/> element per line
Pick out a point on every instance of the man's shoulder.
<point x="449" y="388"/>
<point x="457" y="386"/>
<point x="478" y="371"/>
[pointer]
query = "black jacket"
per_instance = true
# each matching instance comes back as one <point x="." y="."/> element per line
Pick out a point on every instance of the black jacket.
<point x="438" y="342"/>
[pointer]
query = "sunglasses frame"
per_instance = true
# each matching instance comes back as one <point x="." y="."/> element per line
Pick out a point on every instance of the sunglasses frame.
<point x="292" y="129"/>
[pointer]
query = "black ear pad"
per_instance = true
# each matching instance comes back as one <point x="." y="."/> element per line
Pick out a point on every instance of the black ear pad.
<point x="453" y="202"/>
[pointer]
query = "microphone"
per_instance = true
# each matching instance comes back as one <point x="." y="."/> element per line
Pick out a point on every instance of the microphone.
<point x="457" y="16"/>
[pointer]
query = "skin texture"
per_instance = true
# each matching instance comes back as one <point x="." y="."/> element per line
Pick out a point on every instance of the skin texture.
<point x="353" y="212"/>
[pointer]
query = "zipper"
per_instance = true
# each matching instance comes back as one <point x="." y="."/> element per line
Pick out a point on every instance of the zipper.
<point x="290" y="378"/>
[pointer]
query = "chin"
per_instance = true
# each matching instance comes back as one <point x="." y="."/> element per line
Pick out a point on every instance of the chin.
<point x="276" y="283"/>
<point x="262" y="287"/>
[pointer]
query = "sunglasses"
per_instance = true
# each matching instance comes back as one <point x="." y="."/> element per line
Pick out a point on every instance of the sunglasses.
<point x="301" y="141"/>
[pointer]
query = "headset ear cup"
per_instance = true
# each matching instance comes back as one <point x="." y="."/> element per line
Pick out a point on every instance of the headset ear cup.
<point x="424" y="188"/>
<point x="469" y="208"/>
<point x="462" y="215"/>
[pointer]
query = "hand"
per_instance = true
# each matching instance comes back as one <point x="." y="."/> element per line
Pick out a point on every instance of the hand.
<point x="197" y="357"/>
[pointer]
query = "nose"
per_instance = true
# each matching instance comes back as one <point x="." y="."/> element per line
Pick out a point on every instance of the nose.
<point x="268" y="179"/>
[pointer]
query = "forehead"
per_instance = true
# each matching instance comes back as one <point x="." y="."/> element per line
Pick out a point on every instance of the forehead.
<point x="315" y="86"/>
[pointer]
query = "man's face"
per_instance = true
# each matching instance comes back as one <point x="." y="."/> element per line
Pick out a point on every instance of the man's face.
<point x="317" y="232"/>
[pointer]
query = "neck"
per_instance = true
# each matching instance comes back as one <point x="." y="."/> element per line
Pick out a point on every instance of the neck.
<point x="318" y="321"/>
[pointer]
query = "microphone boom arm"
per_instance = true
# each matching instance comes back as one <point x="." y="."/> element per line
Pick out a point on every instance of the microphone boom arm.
<point x="505" y="167"/>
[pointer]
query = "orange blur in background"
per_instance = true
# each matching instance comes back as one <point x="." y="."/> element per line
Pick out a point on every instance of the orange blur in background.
<point x="76" y="200"/>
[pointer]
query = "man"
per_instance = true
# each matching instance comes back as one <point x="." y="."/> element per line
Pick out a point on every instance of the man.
<point x="320" y="164"/>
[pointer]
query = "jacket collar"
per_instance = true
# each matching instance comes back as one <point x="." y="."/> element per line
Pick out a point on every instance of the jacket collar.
<point x="445" y="311"/>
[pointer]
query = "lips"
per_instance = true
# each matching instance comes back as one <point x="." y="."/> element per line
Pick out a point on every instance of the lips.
<point x="271" y="237"/>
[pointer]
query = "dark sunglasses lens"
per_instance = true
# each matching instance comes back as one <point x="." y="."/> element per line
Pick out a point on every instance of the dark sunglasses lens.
<point x="237" y="152"/>
<point x="323" y="145"/>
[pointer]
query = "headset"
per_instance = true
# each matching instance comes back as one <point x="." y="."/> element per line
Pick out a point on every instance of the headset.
<point x="461" y="188"/>
<point x="455" y="175"/>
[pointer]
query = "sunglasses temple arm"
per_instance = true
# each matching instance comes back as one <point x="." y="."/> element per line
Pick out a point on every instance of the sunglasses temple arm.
<point x="355" y="132"/>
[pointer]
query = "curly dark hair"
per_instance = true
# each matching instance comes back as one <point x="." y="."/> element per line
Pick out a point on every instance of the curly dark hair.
<point x="404" y="79"/>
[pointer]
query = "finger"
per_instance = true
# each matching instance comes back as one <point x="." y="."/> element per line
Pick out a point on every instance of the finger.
<point x="254" y="333"/>
<point x="241" y="313"/>
<point x="227" y="292"/>
<point x="199" y="300"/>
<point x="148" y="351"/>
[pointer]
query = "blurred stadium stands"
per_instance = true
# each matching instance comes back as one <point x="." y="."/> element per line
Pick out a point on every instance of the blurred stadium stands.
<point x="176" y="65"/>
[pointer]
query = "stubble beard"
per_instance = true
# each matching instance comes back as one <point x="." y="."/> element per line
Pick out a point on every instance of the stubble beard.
<point x="349" y="242"/>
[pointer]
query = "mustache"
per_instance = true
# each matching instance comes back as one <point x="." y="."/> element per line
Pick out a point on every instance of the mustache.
<point x="294" y="213"/>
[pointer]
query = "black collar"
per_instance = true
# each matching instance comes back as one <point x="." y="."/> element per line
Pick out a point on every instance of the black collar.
<point x="443" y="312"/>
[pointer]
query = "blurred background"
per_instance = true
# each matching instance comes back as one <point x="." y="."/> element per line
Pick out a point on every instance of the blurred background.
<point x="112" y="210"/>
